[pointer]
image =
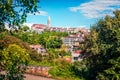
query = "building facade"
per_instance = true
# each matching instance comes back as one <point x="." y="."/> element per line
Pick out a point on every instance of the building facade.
<point x="39" y="49"/>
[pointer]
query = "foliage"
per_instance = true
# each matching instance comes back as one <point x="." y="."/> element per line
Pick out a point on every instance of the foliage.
<point x="103" y="47"/>
<point x="80" y="70"/>
<point x="46" y="39"/>
<point x="63" y="53"/>
<point x="14" y="60"/>
<point x="51" y="39"/>
<point x="52" y="54"/>
<point x="24" y="28"/>
<point x="62" y="70"/>
<point x="13" y="40"/>
<point x="36" y="56"/>
<point x="41" y="63"/>
<point x="6" y="40"/>
<point x="15" y="11"/>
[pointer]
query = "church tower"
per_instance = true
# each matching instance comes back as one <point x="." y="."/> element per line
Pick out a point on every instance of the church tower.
<point x="48" y="22"/>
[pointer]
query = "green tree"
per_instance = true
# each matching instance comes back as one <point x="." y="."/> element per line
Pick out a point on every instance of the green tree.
<point x="51" y="39"/>
<point x="25" y="28"/>
<point x="15" y="11"/>
<point x="7" y="40"/>
<point x="103" y="47"/>
<point x="14" y="60"/>
<point x="63" y="70"/>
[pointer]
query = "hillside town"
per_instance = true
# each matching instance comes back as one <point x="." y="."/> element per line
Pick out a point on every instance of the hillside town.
<point x="59" y="39"/>
<point x="71" y="42"/>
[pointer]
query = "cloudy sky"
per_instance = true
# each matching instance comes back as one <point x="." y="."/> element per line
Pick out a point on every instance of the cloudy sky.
<point x="73" y="13"/>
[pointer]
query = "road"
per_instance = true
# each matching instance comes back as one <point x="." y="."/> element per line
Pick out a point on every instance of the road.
<point x="33" y="77"/>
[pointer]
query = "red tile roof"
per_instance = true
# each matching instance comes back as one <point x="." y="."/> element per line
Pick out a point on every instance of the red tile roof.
<point x="35" y="46"/>
<point x="78" y="52"/>
<point x="38" y="25"/>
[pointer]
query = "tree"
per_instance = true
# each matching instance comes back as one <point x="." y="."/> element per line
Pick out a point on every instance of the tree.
<point x="14" y="12"/>
<point x="103" y="46"/>
<point x="109" y="41"/>
<point x="7" y="40"/>
<point x="14" y="60"/>
<point x="25" y="28"/>
<point x="62" y="70"/>
<point x="50" y="39"/>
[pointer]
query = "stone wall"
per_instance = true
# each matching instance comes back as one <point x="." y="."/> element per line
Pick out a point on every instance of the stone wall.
<point x="38" y="70"/>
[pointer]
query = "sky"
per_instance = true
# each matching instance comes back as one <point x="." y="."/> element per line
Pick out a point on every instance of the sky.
<point x="72" y="13"/>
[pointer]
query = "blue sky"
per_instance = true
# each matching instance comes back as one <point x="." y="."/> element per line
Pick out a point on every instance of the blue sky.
<point x="72" y="13"/>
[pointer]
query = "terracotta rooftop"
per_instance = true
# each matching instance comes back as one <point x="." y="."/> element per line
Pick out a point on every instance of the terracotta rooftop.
<point x="78" y="52"/>
<point x="38" y="25"/>
<point x="35" y="46"/>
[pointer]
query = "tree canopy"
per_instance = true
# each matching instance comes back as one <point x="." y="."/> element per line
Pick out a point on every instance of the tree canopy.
<point x="14" y="12"/>
<point x="14" y="60"/>
<point x="103" y="46"/>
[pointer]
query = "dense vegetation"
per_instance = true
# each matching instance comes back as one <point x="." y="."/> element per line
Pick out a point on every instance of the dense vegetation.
<point x="14" y="55"/>
<point x="14" y="12"/>
<point x="46" y="39"/>
<point x="13" y="60"/>
<point x="102" y="48"/>
<point x="54" y="55"/>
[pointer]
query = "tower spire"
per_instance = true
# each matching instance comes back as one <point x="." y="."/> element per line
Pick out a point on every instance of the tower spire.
<point x="48" y="21"/>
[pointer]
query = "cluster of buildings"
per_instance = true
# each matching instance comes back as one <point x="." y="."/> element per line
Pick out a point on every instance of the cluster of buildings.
<point x="72" y="42"/>
<point x="39" y="28"/>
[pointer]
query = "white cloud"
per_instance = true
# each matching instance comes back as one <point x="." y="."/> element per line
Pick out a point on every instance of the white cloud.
<point x="97" y="8"/>
<point x="42" y="13"/>
<point x="81" y="26"/>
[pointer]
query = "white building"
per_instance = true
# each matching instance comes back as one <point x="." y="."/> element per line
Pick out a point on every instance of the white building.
<point x="77" y="56"/>
<point x="39" y="49"/>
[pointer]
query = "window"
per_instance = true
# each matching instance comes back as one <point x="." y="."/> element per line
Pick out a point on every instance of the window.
<point x="75" y="58"/>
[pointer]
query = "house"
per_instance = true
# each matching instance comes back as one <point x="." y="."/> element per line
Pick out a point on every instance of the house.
<point x="39" y="49"/>
<point x="85" y="31"/>
<point x="77" y="56"/>
<point x="39" y="28"/>
<point x="72" y="40"/>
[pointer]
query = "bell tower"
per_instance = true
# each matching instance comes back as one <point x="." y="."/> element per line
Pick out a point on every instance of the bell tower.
<point x="48" y="22"/>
